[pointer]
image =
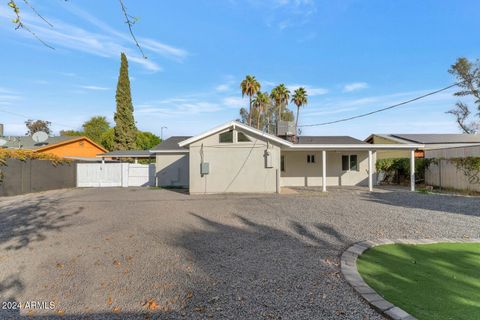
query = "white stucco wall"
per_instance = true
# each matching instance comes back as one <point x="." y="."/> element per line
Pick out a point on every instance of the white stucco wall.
<point x="300" y="173"/>
<point x="172" y="169"/>
<point x="234" y="167"/>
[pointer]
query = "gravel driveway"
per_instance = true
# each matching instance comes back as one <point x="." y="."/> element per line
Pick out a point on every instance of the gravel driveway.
<point x="143" y="253"/>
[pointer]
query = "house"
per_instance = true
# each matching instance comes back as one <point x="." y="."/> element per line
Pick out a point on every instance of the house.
<point x="126" y="154"/>
<point x="430" y="142"/>
<point x="80" y="148"/>
<point x="235" y="157"/>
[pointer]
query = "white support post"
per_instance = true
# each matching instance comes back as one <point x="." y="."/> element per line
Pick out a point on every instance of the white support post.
<point x="324" y="171"/>
<point x="370" y="170"/>
<point x="412" y="170"/>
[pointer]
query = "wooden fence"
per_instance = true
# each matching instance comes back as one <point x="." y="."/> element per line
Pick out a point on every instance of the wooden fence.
<point x="24" y="176"/>
<point x="445" y="174"/>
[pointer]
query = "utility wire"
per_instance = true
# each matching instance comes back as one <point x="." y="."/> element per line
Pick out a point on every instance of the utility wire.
<point x="26" y="117"/>
<point x="382" y="109"/>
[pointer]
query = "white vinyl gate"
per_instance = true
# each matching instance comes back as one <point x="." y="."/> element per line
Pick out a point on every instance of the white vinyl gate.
<point x="115" y="175"/>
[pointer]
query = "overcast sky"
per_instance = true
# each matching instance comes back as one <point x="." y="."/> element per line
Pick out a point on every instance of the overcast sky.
<point x="352" y="56"/>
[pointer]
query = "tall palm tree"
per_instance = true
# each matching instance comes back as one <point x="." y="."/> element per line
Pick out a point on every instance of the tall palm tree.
<point x="281" y="95"/>
<point x="261" y="102"/>
<point x="299" y="98"/>
<point x="250" y="86"/>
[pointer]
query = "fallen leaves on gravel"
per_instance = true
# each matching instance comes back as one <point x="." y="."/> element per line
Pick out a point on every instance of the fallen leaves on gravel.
<point x="109" y="301"/>
<point x="116" y="309"/>
<point x="60" y="265"/>
<point x="151" y="304"/>
<point x="116" y="263"/>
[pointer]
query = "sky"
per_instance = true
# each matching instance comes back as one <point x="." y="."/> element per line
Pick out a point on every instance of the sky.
<point x="351" y="56"/>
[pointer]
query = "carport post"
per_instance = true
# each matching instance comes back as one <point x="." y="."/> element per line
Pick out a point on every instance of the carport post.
<point x="370" y="170"/>
<point x="324" y="171"/>
<point x="412" y="170"/>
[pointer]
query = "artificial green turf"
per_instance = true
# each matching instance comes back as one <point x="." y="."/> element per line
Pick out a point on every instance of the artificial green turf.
<point x="434" y="281"/>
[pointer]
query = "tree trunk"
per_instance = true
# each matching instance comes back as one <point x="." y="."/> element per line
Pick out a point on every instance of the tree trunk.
<point x="296" y="120"/>
<point x="258" y="119"/>
<point x="250" y="112"/>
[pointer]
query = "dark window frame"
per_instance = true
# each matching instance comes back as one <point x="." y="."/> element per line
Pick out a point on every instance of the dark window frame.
<point x="350" y="162"/>
<point x="310" y="158"/>
<point x="282" y="163"/>
<point x="223" y="134"/>
<point x="239" y="133"/>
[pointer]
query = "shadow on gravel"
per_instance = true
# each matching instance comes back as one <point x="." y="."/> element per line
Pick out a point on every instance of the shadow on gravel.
<point x="444" y="203"/>
<point x="259" y="272"/>
<point x="22" y="223"/>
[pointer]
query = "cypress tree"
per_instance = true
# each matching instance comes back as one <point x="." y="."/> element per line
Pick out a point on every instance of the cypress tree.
<point x="125" y="130"/>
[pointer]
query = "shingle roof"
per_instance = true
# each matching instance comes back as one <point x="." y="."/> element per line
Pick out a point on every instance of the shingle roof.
<point x="440" y="138"/>
<point x="328" y="140"/>
<point x="26" y="142"/>
<point x="171" y="143"/>
<point x="126" y="153"/>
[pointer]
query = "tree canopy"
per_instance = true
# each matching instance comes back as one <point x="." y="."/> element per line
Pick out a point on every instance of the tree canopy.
<point x="468" y="76"/>
<point x="37" y="125"/>
<point x="125" y="129"/>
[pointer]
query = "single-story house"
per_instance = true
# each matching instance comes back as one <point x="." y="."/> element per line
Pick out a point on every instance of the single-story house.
<point x="235" y="157"/>
<point x="75" y="147"/>
<point x="126" y="154"/>
<point x="430" y="142"/>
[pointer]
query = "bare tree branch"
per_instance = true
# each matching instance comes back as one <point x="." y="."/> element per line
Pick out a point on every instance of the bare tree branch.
<point x="461" y="112"/>
<point x="37" y="13"/>
<point x="130" y="21"/>
<point x="20" y="24"/>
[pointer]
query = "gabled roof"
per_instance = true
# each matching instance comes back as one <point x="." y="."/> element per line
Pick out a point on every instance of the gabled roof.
<point x="440" y="138"/>
<point x="329" y="140"/>
<point x="127" y="154"/>
<point x="234" y="124"/>
<point x="26" y="142"/>
<point x="66" y="141"/>
<point x="171" y="145"/>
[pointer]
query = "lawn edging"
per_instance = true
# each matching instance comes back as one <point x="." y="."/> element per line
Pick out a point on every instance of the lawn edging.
<point x="353" y="277"/>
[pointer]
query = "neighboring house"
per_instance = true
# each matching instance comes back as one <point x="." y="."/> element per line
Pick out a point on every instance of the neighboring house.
<point x="430" y="142"/>
<point x="235" y="157"/>
<point x="127" y="154"/>
<point x="81" y="148"/>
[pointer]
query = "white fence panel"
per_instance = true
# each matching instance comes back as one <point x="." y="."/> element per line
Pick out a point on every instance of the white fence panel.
<point x="141" y="175"/>
<point x="115" y="174"/>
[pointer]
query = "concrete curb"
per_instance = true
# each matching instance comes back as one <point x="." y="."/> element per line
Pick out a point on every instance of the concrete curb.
<point x="351" y="274"/>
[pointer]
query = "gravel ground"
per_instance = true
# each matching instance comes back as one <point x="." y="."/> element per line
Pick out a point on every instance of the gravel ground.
<point x="143" y="253"/>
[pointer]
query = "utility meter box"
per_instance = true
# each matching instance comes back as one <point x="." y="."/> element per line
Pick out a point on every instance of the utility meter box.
<point x="268" y="159"/>
<point x="204" y="168"/>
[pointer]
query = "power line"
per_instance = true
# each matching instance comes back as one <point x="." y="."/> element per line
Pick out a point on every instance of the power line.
<point x="26" y="117"/>
<point x="382" y="109"/>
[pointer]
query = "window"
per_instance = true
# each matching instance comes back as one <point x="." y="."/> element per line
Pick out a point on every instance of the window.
<point x="311" y="158"/>
<point x="350" y="163"/>
<point x="282" y="163"/>
<point x="241" y="137"/>
<point x="353" y="162"/>
<point x="345" y="163"/>
<point x="226" y="137"/>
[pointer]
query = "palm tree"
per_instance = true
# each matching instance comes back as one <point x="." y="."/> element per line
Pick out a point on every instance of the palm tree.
<point x="299" y="98"/>
<point x="250" y="86"/>
<point x="281" y="95"/>
<point x="261" y="103"/>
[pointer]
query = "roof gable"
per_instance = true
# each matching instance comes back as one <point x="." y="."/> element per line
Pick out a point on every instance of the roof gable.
<point x="68" y="141"/>
<point x="234" y="124"/>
